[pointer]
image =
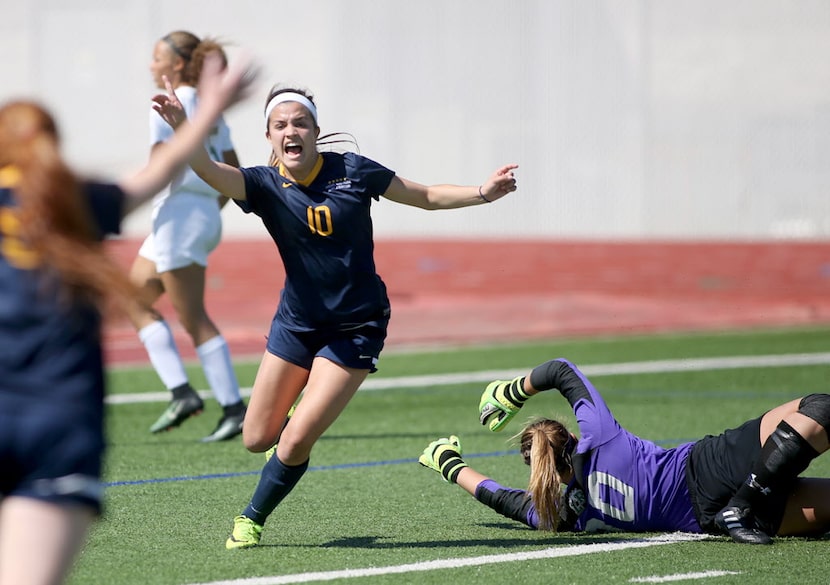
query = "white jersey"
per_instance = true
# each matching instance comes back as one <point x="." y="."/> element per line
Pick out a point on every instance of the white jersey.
<point x="217" y="143"/>
<point x="187" y="225"/>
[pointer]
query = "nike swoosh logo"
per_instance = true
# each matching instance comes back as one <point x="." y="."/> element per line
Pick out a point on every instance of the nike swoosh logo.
<point x="286" y="185"/>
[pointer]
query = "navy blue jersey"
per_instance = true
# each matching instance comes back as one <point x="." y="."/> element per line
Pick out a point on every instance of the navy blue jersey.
<point x="323" y="231"/>
<point x="50" y="349"/>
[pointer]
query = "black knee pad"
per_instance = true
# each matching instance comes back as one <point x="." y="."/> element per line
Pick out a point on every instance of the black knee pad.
<point x="787" y="451"/>
<point x="817" y="407"/>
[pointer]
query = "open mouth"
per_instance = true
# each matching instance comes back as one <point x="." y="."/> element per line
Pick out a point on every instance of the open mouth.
<point x="293" y="149"/>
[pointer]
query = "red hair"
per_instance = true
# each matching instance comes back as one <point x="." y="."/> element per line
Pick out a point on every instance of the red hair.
<point x="54" y="220"/>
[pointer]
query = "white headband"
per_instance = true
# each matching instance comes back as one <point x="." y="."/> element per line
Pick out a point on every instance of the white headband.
<point x="290" y="96"/>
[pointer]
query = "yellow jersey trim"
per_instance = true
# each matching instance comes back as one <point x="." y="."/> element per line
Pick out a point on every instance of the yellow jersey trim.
<point x="318" y="165"/>
<point x="9" y="176"/>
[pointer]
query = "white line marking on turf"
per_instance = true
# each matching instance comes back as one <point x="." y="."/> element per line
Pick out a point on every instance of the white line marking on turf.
<point x="683" y="577"/>
<point x="548" y="553"/>
<point x="651" y="367"/>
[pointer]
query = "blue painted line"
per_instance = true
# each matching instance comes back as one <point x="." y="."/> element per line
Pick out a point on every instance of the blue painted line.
<point x="314" y="468"/>
<point x="324" y="467"/>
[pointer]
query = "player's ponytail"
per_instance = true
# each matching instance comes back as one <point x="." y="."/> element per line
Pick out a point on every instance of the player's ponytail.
<point x="193" y="68"/>
<point x="52" y="220"/>
<point x="542" y="444"/>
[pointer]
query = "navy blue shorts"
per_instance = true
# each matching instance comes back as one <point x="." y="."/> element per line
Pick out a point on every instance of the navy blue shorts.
<point x="357" y="348"/>
<point x="716" y="468"/>
<point x="51" y="454"/>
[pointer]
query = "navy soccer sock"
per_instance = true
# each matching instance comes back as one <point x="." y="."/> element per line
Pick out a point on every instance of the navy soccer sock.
<point x="275" y="482"/>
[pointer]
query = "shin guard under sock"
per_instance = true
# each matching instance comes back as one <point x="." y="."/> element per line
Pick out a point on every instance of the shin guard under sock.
<point x="275" y="482"/>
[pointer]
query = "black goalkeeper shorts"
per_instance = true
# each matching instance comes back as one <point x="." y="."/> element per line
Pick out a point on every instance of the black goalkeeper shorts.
<point x="716" y="468"/>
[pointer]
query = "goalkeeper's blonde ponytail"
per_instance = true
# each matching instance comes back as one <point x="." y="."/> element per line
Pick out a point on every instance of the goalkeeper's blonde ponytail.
<point x="543" y="445"/>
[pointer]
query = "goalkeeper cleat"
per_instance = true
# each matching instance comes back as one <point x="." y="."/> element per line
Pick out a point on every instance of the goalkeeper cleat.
<point x="739" y="525"/>
<point x="500" y="402"/>
<point x="246" y="533"/>
<point x="186" y="403"/>
<point x="444" y="456"/>
<point x="270" y="452"/>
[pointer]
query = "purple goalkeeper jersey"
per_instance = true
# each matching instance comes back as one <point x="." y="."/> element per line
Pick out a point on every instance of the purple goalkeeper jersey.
<point x="630" y="483"/>
<point x="621" y="482"/>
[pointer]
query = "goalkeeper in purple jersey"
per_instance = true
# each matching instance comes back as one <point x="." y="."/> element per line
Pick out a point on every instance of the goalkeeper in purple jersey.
<point x="744" y="482"/>
<point x="331" y="322"/>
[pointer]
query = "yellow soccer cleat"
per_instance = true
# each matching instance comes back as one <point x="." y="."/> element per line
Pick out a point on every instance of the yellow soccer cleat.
<point x="246" y="533"/>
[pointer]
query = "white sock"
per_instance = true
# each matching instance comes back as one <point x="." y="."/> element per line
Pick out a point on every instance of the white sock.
<point x="164" y="355"/>
<point x="216" y="363"/>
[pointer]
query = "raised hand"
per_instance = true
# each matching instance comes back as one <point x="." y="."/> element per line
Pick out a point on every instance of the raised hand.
<point x="230" y="85"/>
<point x="500" y="402"/>
<point x="219" y="88"/>
<point x="500" y="183"/>
<point x="168" y="105"/>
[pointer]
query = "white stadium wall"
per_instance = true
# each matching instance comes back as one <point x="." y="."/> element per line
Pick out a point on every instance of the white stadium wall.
<point x="629" y="120"/>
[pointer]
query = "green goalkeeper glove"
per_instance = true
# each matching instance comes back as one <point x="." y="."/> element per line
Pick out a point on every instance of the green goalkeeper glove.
<point x="444" y="456"/>
<point x="501" y="401"/>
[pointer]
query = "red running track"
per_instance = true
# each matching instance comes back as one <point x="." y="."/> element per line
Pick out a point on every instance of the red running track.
<point x="464" y="292"/>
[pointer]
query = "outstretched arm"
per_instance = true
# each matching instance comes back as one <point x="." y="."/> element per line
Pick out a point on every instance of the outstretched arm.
<point x="469" y="479"/>
<point x="229" y="157"/>
<point x="562" y="375"/>
<point x="444" y="456"/>
<point x="502" y="399"/>
<point x="499" y="184"/>
<point x="218" y="90"/>
<point x="225" y="177"/>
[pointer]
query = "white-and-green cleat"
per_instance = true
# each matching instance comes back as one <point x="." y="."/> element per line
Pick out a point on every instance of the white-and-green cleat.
<point x="186" y="402"/>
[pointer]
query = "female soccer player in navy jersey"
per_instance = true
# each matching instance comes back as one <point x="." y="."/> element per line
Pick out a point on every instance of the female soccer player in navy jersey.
<point x="53" y="279"/>
<point x="743" y="482"/>
<point x="331" y="322"/>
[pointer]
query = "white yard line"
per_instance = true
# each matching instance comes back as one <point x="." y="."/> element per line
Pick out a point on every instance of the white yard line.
<point x="596" y="370"/>
<point x="548" y="553"/>
<point x="683" y="577"/>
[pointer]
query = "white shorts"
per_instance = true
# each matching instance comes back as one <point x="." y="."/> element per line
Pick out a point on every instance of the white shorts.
<point x="186" y="228"/>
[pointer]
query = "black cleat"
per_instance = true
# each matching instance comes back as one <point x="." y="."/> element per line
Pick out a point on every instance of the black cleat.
<point x="738" y="524"/>
<point x="186" y="403"/>
<point x="229" y="426"/>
